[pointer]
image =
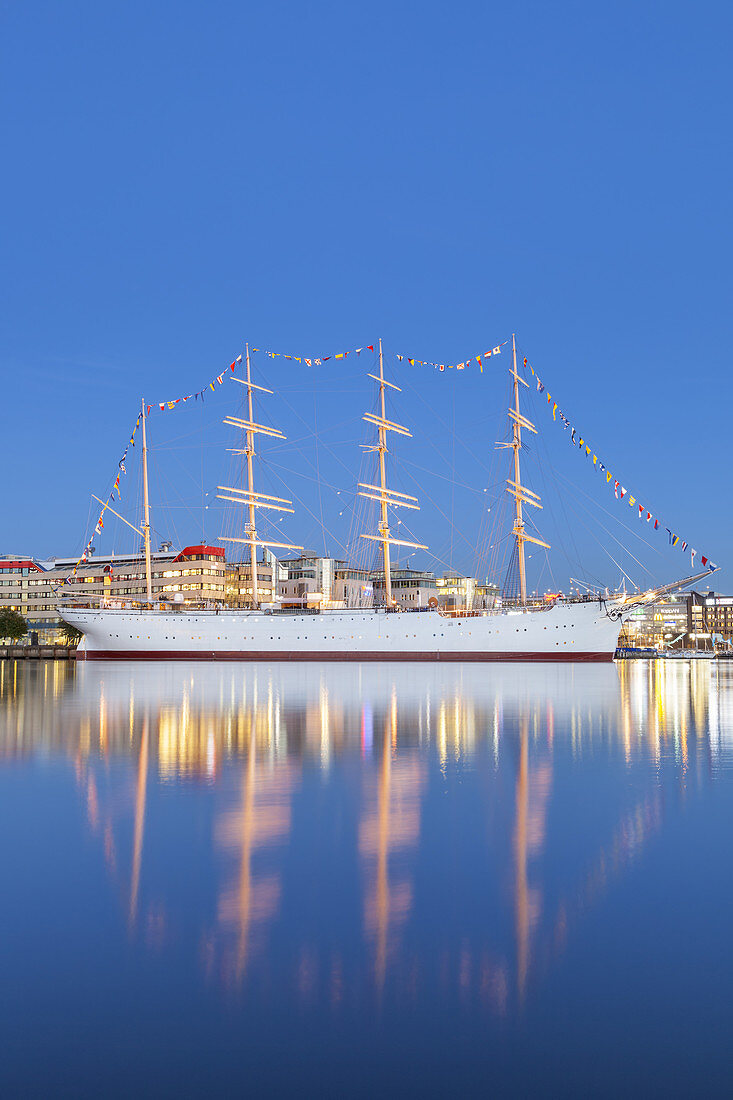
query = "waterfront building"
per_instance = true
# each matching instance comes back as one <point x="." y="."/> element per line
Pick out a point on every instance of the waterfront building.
<point x="200" y="575"/>
<point x="456" y="592"/>
<point x="32" y="586"/>
<point x="22" y="590"/>
<point x="710" y="619"/>
<point x="238" y="582"/>
<point x="658" y="625"/>
<point x="313" y="581"/>
<point x="691" y="620"/>
<point x="410" y="587"/>
<point x="487" y="595"/>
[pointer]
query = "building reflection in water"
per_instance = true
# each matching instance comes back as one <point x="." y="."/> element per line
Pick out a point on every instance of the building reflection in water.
<point x="390" y="828"/>
<point x="532" y="793"/>
<point x="250" y="734"/>
<point x="249" y="898"/>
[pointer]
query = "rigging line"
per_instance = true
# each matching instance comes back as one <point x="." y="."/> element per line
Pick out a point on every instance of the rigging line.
<point x="163" y="480"/>
<point x="300" y="392"/>
<point x="299" y="453"/>
<point x="427" y="496"/>
<point x="88" y="523"/>
<point x="190" y="508"/>
<point x="611" y="514"/>
<point x="491" y="523"/>
<point x="620" y="567"/>
<point x="183" y="467"/>
<point x="578" y="433"/>
<point x="589" y="575"/>
<point x="295" y="412"/>
<point x="453" y="477"/>
<point x="433" y="446"/>
<point x="445" y="425"/>
<point x="626" y="550"/>
<point x="281" y="445"/>
<point x="163" y="505"/>
<point x="316" y="434"/>
<point x="502" y="546"/>
<point x="303" y="505"/>
<point x="444" y="477"/>
<point x="574" y="489"/>
<point x="214" y="420"/>
<point x="547" y="564"/>
<point x="284" y="445"/>
<point x="267" y="461"/>
<point x="567" y="526"/>
<point x="363" y="510"/>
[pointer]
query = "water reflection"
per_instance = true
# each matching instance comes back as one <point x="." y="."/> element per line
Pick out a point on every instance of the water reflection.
<point x="379" y="831"/>
<point x="249" y="894"/>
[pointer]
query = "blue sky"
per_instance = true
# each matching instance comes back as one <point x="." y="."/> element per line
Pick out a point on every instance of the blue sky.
<point x="181" y="178"/>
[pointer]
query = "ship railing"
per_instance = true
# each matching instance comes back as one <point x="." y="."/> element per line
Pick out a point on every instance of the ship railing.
<point x="217" y="608"/>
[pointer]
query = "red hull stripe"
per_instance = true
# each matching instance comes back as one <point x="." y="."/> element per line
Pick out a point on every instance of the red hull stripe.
<point x="304" y="655"/>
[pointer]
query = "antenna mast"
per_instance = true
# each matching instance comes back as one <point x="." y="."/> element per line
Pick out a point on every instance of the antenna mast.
<point x="386" y="497"/>
<point x="515" y="488"/>
<point x="249" y="496"/>
<point x="146" y="506"/>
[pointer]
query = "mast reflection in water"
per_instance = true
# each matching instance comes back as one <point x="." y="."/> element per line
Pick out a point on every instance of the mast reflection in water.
<point x="300" y="877"/>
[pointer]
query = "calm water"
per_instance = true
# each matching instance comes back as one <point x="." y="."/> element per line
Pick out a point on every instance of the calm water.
<point x="398" y="879"/>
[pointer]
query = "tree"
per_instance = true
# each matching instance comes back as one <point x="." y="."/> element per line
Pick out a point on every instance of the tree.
<point x="69" y="634"/>
<point x="12" y="624"/>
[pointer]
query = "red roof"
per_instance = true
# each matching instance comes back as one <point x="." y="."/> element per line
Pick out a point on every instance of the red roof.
<point x="189" y="551"/>
<point x="22" y="565"/>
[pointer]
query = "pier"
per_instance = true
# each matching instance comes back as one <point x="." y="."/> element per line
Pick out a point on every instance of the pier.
<point x="38" y="652"/>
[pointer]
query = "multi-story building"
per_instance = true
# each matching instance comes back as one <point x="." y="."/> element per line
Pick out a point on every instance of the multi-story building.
<point x="458" y="593"/>
<point x="455" y="592"/>
<point x="410" y="587"/>
<point x="710" y="618"/>
<point x="487" y="595"/>
<point x="238" y="592"/>
<point x="313" y="581"/>
<point x="685" y="621"/>
<point x="21" y="590"/>
<point x="310" y="580"/>
<point x="658" y="625"/>
<point x="354" y="586"/>
<point x="200" y="575"/>
<point x="193" y="575"/>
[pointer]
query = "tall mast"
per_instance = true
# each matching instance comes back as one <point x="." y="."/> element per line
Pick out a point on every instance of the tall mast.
<point x="516" y="445"/>
<point x="384" y="520"/>
<point x="146" y="505"/>
<point x="386" y="497"/>
<point x="249" y="496"/>
<point x="515" y="488"/>
<point x="251" y="486"/>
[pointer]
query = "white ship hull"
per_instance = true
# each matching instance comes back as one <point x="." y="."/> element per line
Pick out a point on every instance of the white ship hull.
<point x="564" y="632"/>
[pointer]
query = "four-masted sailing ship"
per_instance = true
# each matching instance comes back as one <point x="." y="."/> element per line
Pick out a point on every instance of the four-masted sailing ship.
<point x="567" y="629"/>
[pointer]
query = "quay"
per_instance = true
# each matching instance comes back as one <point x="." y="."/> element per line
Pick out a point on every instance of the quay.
<point x="37" y="652"/>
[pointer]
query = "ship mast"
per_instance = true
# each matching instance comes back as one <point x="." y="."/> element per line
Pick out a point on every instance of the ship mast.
<point x="515" y="488"/>
<point x="146" y="506"/>
<point x="387" y="497"/>
<point x="249" y="496"/>
<point x="251" y="484"/>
